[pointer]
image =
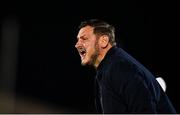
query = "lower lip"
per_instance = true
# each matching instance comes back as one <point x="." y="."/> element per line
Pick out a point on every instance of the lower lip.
<point x="83" y="56"/>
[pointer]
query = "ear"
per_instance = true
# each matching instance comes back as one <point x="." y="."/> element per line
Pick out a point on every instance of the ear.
<point x="103" y="41"/>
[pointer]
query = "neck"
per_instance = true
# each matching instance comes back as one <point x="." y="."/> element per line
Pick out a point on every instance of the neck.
<point x="102" y="54"/>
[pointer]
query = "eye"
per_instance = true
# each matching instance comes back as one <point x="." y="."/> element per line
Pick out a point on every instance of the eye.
<point x="84" y="38"/>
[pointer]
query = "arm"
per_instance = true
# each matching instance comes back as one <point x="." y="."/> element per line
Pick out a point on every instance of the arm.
<point x="132" y="87"/>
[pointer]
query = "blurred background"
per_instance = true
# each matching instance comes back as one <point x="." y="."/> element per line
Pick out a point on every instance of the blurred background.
<point x="40" y="69"/>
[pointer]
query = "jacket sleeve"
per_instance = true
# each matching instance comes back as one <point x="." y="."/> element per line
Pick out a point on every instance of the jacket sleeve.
<point x="134" y="90"/>
<point x="138" y="96"/>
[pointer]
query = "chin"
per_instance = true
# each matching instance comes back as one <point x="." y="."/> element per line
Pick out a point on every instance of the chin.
<point x="85" y="63"/>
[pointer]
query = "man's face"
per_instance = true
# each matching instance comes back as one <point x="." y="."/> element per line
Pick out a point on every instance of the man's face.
<point x="87" y="46"/>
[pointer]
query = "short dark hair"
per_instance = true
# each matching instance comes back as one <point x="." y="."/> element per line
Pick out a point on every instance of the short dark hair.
<point x="101" y="28"/>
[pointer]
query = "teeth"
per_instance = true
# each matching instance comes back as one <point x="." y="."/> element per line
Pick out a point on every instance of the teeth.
<point x="82" y="51"/>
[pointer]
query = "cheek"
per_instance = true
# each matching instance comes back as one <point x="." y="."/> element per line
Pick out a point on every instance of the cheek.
<point x="90" y="46"/>
<point x="91" y="52"/>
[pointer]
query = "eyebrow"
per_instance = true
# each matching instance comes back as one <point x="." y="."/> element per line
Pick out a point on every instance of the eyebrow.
<point x="77" y="37"/>
<point x="83" y="36"/>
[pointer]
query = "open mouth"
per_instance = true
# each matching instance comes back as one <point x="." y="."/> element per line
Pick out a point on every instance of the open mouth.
<point x="82" y="52"/>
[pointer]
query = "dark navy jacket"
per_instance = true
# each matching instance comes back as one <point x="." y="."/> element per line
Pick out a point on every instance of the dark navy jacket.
<point x="123" y="85"/>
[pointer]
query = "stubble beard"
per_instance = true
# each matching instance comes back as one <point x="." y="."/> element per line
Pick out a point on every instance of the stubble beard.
<point x="94" y="56"/>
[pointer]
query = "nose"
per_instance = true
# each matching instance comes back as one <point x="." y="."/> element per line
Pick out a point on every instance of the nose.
<point x="77" y="44"/>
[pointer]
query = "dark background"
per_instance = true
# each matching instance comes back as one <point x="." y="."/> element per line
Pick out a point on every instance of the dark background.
<point x="47" y="75"/>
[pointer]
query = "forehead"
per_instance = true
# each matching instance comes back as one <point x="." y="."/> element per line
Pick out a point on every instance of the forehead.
<point x="85" y="31"/>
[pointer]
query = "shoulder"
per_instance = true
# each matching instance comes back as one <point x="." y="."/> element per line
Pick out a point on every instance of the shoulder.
<point x="121" y="64"/>
<point x="124" y="64"/>
<point x="122" y="68"/>
<point x="120" y="71"/>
